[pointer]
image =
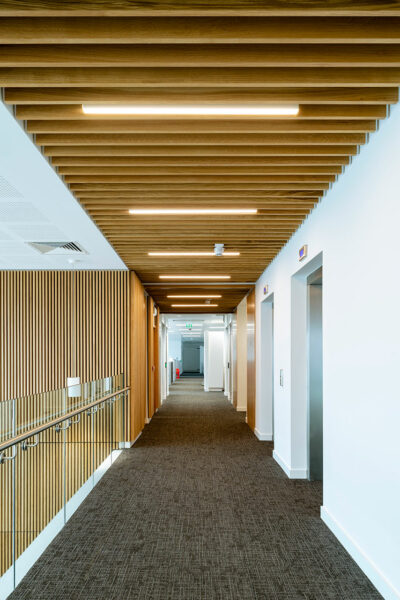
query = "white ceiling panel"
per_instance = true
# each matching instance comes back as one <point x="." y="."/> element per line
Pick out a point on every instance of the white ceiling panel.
<point x="36" y="206"/>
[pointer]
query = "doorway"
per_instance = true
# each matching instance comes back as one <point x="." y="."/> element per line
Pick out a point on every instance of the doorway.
<point x="191" y="359"/>
<point x="315" y="387"/>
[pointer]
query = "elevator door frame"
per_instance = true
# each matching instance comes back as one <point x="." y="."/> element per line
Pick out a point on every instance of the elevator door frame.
<point x="298" y="378"/>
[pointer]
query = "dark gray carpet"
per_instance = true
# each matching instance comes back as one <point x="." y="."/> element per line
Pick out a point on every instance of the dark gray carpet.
<point x="197" y="510"/>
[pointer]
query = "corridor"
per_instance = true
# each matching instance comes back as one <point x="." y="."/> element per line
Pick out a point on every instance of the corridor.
<point x="197" y="509"/>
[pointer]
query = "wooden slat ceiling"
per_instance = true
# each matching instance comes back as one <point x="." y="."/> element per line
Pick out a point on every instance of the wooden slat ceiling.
<point x="339" y="60"/>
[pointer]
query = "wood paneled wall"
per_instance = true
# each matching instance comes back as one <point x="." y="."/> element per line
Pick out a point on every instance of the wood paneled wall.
<point x="153" y="317"/>
<point x="234" y="360"/>
<point x="241" y="355"/>
<point x="251" y="360"/>
<point x="92" y="324"/>
<point x="138" y="356"/>
<point x="57" y="324"/>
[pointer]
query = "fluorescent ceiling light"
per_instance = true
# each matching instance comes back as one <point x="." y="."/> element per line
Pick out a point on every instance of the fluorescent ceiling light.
<point x="196" y="296"/>
<point x="196" y="305"/>
<point x="194" y="276"/>
<point x="257" y="110"/>
<point x="193" y="211"/>
<point x="191" y="254"/>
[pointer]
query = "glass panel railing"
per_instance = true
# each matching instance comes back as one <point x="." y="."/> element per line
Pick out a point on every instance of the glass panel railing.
<point x="28" y="412"/>
<point x="54" y="447"/>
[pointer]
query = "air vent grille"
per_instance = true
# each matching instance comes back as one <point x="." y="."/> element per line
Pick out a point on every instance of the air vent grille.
<point x="65" y="248"/>
<point x="73" y="246"/>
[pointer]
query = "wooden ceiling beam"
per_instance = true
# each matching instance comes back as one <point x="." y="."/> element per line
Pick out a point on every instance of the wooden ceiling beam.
<point x="260" y="222"/>
<point x="77" y="132"/>
<point x="217" y="162"/>
<point x="221" y="97"/>
<point x="210" y="139"/>
<point x="200" y="77"/>
<point x="124" y="204"/>
<point x="63" y="162"/>
<point x="180" y="8"/>
<point x="203" y="30"/>
<point x="200" y="55"/>
<point x="194" y="179"/>
<point x="182" y="150"/>
<point x="91" y="123"/>
<point x="214" y="8"/>
<point x="88" y="192"/>
<point x="213" y="186"/>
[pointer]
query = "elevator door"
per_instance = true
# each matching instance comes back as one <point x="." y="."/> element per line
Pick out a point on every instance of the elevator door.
<point x="315" y="405"/>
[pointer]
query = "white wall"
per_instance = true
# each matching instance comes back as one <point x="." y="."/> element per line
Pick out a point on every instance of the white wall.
<point x="163" y="360"/>
<point x="241" y="355"/>
<point x="175" y="346"/>
<point x="227" y="360"/>
<point x="354" y="233"/>
<point x="213" y="360"/>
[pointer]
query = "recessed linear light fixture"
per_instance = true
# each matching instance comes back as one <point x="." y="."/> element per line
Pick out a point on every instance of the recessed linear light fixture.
<point x="191" y="254"/>
<point x="193" y="211"/>
<point x="196" y="296"/>
<point x="256" y="110"/>
<point x="194" y="276"/>
<point x="193" y="305"/>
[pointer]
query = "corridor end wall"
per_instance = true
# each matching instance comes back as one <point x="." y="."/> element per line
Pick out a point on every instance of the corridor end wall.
<point x="356" y="231"/>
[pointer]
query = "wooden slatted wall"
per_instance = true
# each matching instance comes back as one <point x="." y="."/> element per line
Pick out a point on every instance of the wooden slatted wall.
<point x="56" y="324"/>
<point x="138" y="358"/>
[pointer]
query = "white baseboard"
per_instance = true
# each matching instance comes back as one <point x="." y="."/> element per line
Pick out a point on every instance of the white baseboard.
<point x="372" y="571"/>
<point x="13" y="576"/>
<point x="127" y="445"/>
<point x="291" y="473"/>
<point x="263" y="437"/>
<point x="147" y="420"/>
<point x="241" y="408"/>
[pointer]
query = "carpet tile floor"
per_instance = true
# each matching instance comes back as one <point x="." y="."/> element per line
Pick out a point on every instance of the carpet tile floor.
<point x="197" y="510"/>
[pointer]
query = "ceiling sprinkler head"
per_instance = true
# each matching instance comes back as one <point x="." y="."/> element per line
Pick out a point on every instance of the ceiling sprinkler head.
<point x="219" y="249"/>
<point x="207" y="302"/>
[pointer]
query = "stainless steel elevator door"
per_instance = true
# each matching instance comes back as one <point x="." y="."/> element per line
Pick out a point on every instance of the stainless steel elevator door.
<point x="315" y="407"/>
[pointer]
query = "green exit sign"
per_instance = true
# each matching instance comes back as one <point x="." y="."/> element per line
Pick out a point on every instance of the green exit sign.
<point x="189" y="325"/>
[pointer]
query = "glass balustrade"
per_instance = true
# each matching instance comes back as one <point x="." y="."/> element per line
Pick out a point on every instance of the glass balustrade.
<point x="54" y="447"/>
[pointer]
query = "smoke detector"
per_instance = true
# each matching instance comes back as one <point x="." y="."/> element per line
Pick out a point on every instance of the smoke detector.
<point x="219" y="249"/>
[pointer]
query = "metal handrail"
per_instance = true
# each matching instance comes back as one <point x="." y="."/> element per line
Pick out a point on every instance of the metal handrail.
<point x="32" y="432"/>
